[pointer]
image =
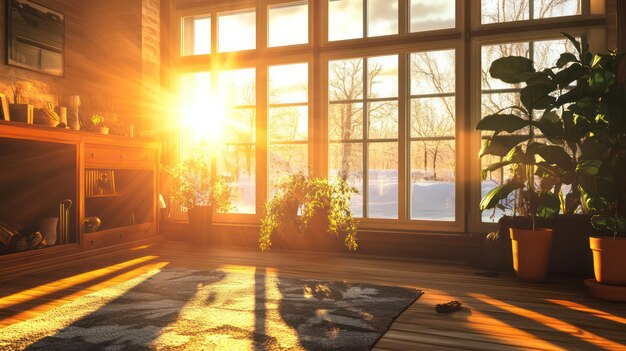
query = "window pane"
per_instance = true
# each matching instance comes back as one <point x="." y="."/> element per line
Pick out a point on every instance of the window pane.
<point x="345" y="121"/>
<point x="195" y="91"/>
<point x="547" y="52"/>
<point x="240" y="126"/>
<point x="345" y="19"/>
<point x="432" y="180"/>
<point x="289" y="83"/>
<point x="491" y="53"/>
<point x="237" y="31"/>
<point x="551" y="8"/>
<point x="382" y="175"/>
<point x="382" y="17"/>
<point x="383" y="120"/>
<point x="496" y="11"/>
<point x="196" y="36"/>
<point x="238" y="87"/>
<point x="433" y="72"/>
<point x="431" y="15"/>
<point x="382" y="75"/>
<point x="493" y="180"/>
<point x="288" y="24"/>
<point x="289" y="123"/>
<point x="433" y="117"/>
<point x="346" y="160"/>
<point x="286" y="159"/>
<point x="345" y="80"/>
<point x="238" y="165"/>
<point x="494" y="102"/>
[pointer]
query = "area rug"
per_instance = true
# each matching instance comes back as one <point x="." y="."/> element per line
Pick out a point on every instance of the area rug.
<point x="182" y="309"/>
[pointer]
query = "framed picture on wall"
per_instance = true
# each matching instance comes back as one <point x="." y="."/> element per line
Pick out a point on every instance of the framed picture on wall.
<point x="35" y="37"/>
<point x="4" y="108"/>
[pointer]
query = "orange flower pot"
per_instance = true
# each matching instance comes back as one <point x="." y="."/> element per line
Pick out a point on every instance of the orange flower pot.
<point x="609" y="260"/>
<point x="531" y="253"/>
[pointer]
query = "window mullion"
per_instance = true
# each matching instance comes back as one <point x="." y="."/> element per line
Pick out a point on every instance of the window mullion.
<point x="365" y="152"/>
<point x="262" y="166"/>
<point x="403" y="145"/>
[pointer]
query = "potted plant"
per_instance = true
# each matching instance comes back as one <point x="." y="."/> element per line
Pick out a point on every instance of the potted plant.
<point x="306" y="205"/>
<point x="99" y="123"/>
<point x="602" y="166"/>
<point x="537" y="166"/>
<point x="201" y="194"/>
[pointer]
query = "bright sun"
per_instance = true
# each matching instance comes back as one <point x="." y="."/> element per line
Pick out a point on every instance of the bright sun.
<point x="205" y="117"/>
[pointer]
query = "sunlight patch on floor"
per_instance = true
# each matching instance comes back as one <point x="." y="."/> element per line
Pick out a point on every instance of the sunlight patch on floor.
<point x="551" y="322"/>
<point x="585" y="309"/>
<point x="66" y="283"/>
<point x="46" y="324"/>
<point x="240" y="302"/>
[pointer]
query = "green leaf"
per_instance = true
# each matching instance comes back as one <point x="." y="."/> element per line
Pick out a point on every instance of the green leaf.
<point x="566" y="76"/>
<point x="550" y="125"/>
<point x="555" y="155"/>
<point x="549" y="205"/>
<point x="589" y="167"/>
<point x="502" y="122"/>
<point x="500" y="145"/>
<point x="512" y="69"/>
<point x="574" y="42"/>
<point x="494" y="166"/>
<point x="600" y="80"/>
<point x="537" y="97"/>
<point x="565" y="58"/>
<point x="539" y="78"/>
<point x="613" y="224"/>
<point x="497" y="194"/>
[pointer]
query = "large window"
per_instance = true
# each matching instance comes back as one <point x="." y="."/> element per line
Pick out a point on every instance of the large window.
<point x="432" y="135"/>
<point x="363" y="131"/>
<point x="385" y="93"/>
<point x="288" y="120"/>
<point x="237" y="161"/>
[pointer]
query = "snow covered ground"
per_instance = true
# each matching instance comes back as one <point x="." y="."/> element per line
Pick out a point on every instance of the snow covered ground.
<point x="430" y="200"/>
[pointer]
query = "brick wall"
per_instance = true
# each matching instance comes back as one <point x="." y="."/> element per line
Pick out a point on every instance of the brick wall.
<point x="112" y="49"/>
<point x="45" y="87"/>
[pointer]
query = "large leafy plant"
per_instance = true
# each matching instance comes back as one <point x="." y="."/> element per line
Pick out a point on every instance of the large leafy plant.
<point x="538" y="140"/>
<point x="601" y="107"/>
<point x="193" y="185"/>
<point x="583" y="117"/>
<point x="300" y="198"/>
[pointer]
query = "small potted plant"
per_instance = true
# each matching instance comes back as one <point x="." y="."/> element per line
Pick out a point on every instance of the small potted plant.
<point x="199" y="193"/>
<point x="99" y="123"/>
<point x="316" y="207"/>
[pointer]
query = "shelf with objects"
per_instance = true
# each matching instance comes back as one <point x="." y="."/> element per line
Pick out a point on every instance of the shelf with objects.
<point x="38" y="194"/>
<point x="44" y="195"/>
<point x="117" y="198"/>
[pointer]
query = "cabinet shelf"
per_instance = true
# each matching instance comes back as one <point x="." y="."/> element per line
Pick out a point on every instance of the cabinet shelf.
<point x="103" y="196"/>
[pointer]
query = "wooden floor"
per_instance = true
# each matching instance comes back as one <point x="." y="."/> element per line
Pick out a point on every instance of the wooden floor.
<point x="499" y="312"/>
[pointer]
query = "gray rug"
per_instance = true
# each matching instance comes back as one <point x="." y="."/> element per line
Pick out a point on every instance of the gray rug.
<point x="181" y="309"/>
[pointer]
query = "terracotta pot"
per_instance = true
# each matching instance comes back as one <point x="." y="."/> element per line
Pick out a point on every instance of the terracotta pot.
<point x="531" y="253"/>
<point x="609" y="260"/>
<point x="200" y="222"/>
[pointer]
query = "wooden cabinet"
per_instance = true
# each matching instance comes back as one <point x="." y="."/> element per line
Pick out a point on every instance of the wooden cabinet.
<point x="124" y="196"/>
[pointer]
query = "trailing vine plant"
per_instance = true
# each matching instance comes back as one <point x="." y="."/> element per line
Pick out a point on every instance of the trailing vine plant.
<point x="300" y="198"/>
